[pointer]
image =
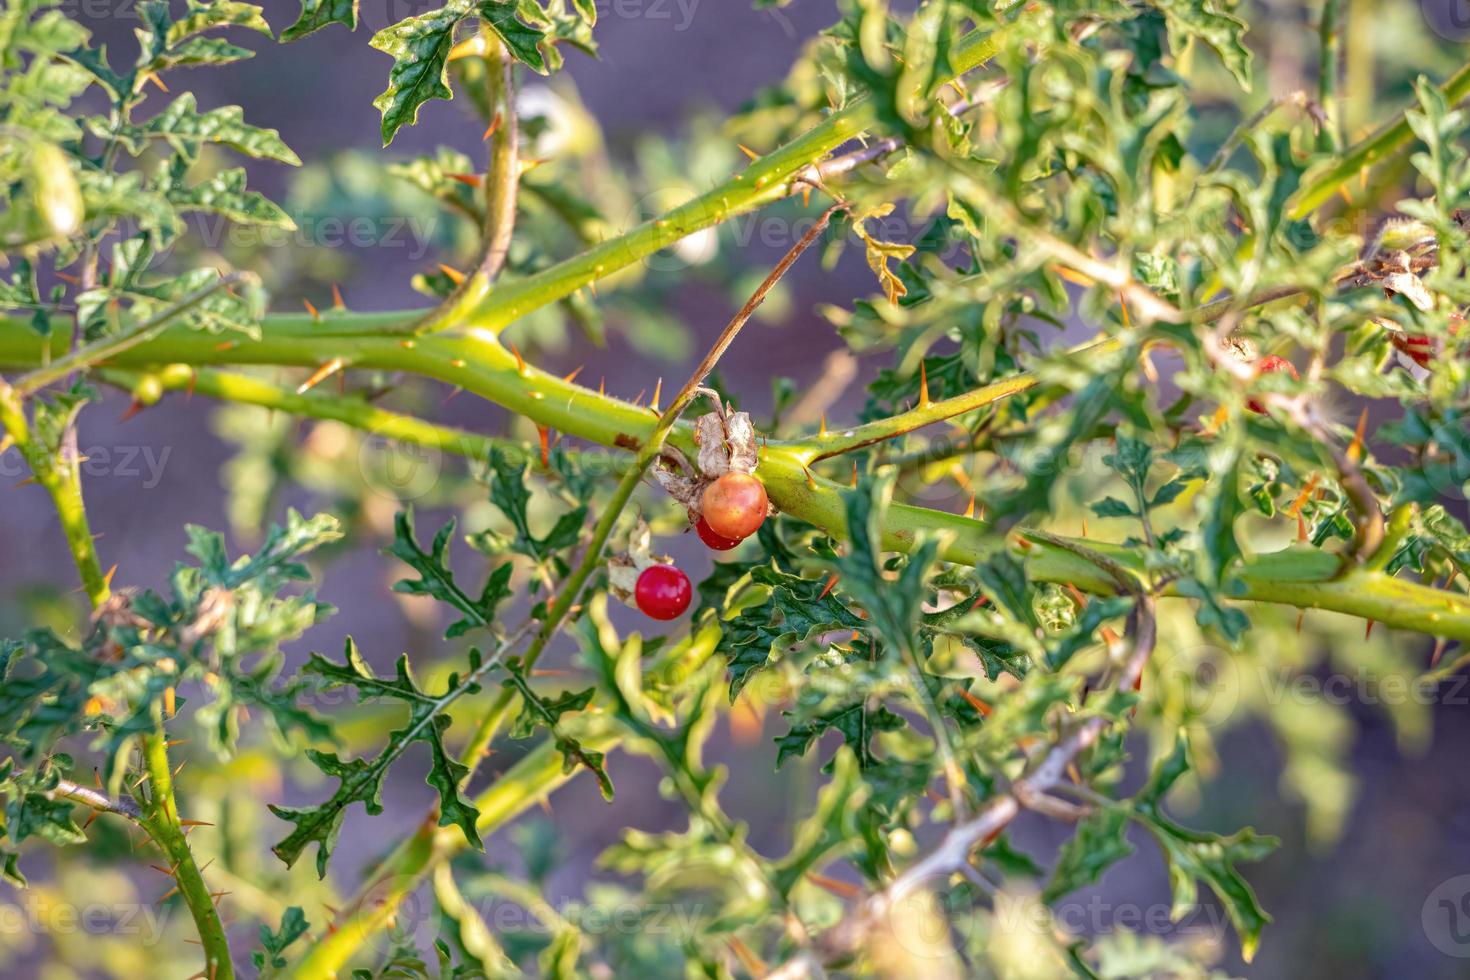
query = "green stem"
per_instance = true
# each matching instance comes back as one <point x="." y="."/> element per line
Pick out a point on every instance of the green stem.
<point x="1330" y="73"/>
<point x="502" y="188"/>
<point x="503" y="176"/>
<point x="1370" y="151"/>
<point x="246" y="390"/>
<point x="99" y="351"/>
<point x="767" y="179"/>
<point x="161" y="819"/>
<point x="62" y="479"/>
<point x="479" y="363"/>
<point x="829" y="444"/>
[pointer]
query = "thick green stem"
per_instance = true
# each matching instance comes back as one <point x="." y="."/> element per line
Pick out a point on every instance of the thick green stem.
<point x="161" y="819"/>
<point x="59" y="474"/>
<point x="99" y="351"/>
<point x="359" y="414"/>
<point x="1370" y="151"/>
<point x="766" y="180"/>
<point x="1330" y="73"/>
<point x="480" y="364"/>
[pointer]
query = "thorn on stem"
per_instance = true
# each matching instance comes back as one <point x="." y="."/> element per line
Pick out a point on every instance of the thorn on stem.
<point x="320" y="374"/>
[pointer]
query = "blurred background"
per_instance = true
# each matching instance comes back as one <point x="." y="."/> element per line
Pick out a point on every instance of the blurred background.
<point x="1320" y="739"/>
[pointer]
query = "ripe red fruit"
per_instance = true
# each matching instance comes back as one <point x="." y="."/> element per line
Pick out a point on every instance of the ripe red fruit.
<point x="735" y="505"/>
<point x="711" y="539"/>
<point x="662" y="592"/>
<point x="1270" y="364"/>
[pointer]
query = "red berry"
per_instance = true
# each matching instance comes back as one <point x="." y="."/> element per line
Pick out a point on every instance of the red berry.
<point x="735" y="505"/>
<point x="1270" y="364"/>
<point x="662" y="592"/>
<point x="709" y="537"/>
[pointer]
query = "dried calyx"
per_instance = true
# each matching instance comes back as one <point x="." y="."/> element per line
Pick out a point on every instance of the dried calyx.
<point x="1404" y="250"/>
<point x="727" y="444"/>
<point x="624" y="568"/>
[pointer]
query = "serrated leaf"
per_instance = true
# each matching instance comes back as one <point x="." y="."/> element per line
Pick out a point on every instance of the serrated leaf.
<point x="361" y="780"/>
<point x="437" y="581"/>
<point x="1212" y="613"/>
<point x="522" y="40"/>
<point x="1100" y="842"/>
<point x="1004" y="578"/>
<point x="1113" y="507"/>
<point x="1194" y="857"/>
<point x="509" y="493"/>
<point x="185" y="129"/>
<point x="316" y="14"/>
<point x="537" y="711"/>
<point x="419" y="47"/>
<point x="856" y="722"/>
<point x="795" y="611"/>
<point x="206" y="16"/>
<point x="1217" y="531"/>
<point x="1220" y="29"/>
<point x="225" y="194"/>
<point x="275" y="942"/>
<point x="880" y="253"/>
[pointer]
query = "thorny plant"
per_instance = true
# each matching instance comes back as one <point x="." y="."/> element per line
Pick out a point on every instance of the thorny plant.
<point x="970" y="668"/>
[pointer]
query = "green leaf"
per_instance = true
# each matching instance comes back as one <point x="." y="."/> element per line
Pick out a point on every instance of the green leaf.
<point x="795" y="610"/>
<point x="1212" y="612"/>
<point x="537" y="711"/>
<point x="185" y="129"/>
<point x="216" y="13"/>
<point x="1100" y="842"/>
<point x="1194" y="857"/>
<point x="225" y="194"/>
<point x="419" y="47"/>
<point x="164" y="44"/>
<point x="316" y="14"/>
<point x="275" y="943"/>
<point x="1220" y="29"/>
<point x="361" y="781"/>
<point x="894" y="603"/>
<point x="855" y="722"/>
<point x="437" y="581"/>
<point x="521" y="40"/>
<point x="510" y="494"/>
<point x="1004" y="578"/>
<point x="1217" y="531"/>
